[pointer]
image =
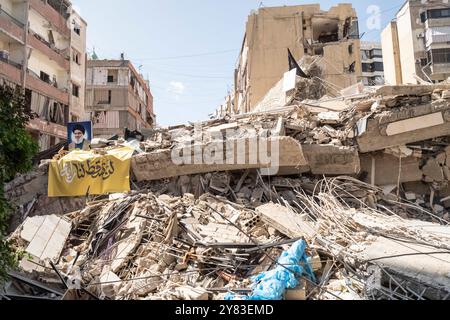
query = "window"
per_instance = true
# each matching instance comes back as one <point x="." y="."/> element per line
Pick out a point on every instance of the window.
<point x="372" y="67"/>
<point x="438" y="13"/>
<point x="75" y="90"/>
<point x="51" y="38"/>
<point x="350" y="49"/>
<point x="423" y="17"/>
<point x="109" y="96"/>
<point x="45" y="77"/>
<point x="366" y="67"/>
<point x="378" y="66"/>
<point x="77" y="30"/>
<point x="376" y="53"/>
<point x="76" y="57"/>
<point x="440" y="55"/>
<point x="318" y="51"/>
<point x="423" y="62"/>
<point x="113" y="75"/>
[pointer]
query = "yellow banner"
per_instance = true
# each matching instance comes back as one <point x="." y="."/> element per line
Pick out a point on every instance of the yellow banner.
<point x="82" y="173"/>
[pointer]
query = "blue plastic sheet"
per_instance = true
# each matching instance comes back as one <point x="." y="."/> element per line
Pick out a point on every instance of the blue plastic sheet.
<point x="272" y="285"/>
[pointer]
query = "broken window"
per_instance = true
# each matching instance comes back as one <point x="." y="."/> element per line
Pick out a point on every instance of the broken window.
<point x="102" y="96"/>
<point x="77" y="28"/>
<point x="325" y="29"/>
<point x="352" y="31"/>
<point x="318" y="51"/>
<point x="74" y="118"/>
<point x="423" y="17"/>
<point x="76" y="57"/>
<point x="51" y="39"/>
<point x="75" y="90"/>
<point x="113" y="76"/>
<point x="365" y="54"/>
<point x="44" y="77"/>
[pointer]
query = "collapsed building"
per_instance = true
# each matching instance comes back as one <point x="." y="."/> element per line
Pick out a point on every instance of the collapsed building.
<point x="361" y="178"/>
<point x="307" y="31"/>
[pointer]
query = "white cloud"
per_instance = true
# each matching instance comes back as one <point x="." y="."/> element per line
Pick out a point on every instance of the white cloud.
<point x="176" y="87"/>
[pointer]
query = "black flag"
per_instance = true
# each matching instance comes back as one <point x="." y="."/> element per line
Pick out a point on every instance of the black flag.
<point x="294" y="65"/>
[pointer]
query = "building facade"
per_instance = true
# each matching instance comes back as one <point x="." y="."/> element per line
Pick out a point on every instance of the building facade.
<point x="305" y="30"/>
<point x="117" y="97"/>
<point x="416" y="44"/>
<point x="372" y="64"/>
<point x="38" y="40"/>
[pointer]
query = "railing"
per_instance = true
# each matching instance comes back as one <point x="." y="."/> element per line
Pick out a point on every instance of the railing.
<point x="11" y="26"/>
<point x="12" y="63"/>
<point x="64" y="53"/>
<point x="10" y="17"/>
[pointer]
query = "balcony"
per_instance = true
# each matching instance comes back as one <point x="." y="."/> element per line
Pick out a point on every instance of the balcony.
<point x="10" y="70"/>
<point x="59" y="56"/>
<point x="47" y="89"/>
<point x="52" y="16"/>
<point x="11" y="26"/>
<point x="440" y="69"/>
<point x="46" y="127"/>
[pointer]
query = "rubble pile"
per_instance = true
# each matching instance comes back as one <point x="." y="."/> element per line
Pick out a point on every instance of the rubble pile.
<point x="363" y="181"/>
<point x="141" y="246"/>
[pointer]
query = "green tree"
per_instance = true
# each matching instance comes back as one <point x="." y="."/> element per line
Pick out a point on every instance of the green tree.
<point x="17" y="149"/>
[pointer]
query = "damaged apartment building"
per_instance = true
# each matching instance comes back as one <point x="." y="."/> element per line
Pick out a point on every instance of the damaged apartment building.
<point x="306" y="30"/>
<point x="372" y="64"/>
<point x="43" y="49"/>
<point x="117" y="97"/>
<point x="416" y="44"/>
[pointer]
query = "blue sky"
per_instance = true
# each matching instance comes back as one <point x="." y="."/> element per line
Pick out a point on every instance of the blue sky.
<point x="188" y="49"/>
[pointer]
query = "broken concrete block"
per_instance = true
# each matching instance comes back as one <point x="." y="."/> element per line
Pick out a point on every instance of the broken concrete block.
<point x="385" y="169"/>
<point x="220" y="182"/>
<point x="446" y="94"/>
<point x="285" y="221"/>
<point x="410" y="196"/>
<point x="333" y="160"/>
<point x="438" y="209"/>
<point x="446" y="173"/>
<point x="172" y="163"/>
<point x="330" y="117"/>
<point x="414" y="124"/>
<point x="110" y="283"/>
<point x="441" y="158"/>
<point x="191" y="294"/>
<point x="297" y="294"/>
<point x="46" y="236"/>
<point x="403" y="127"/>
<point x="433" y="170"/>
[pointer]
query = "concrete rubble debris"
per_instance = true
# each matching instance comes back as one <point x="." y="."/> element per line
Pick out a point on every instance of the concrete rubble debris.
<point x="363" y="180"/>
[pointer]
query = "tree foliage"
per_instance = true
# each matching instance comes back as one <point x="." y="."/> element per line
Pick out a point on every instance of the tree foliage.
<point x="17" y="149"/>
